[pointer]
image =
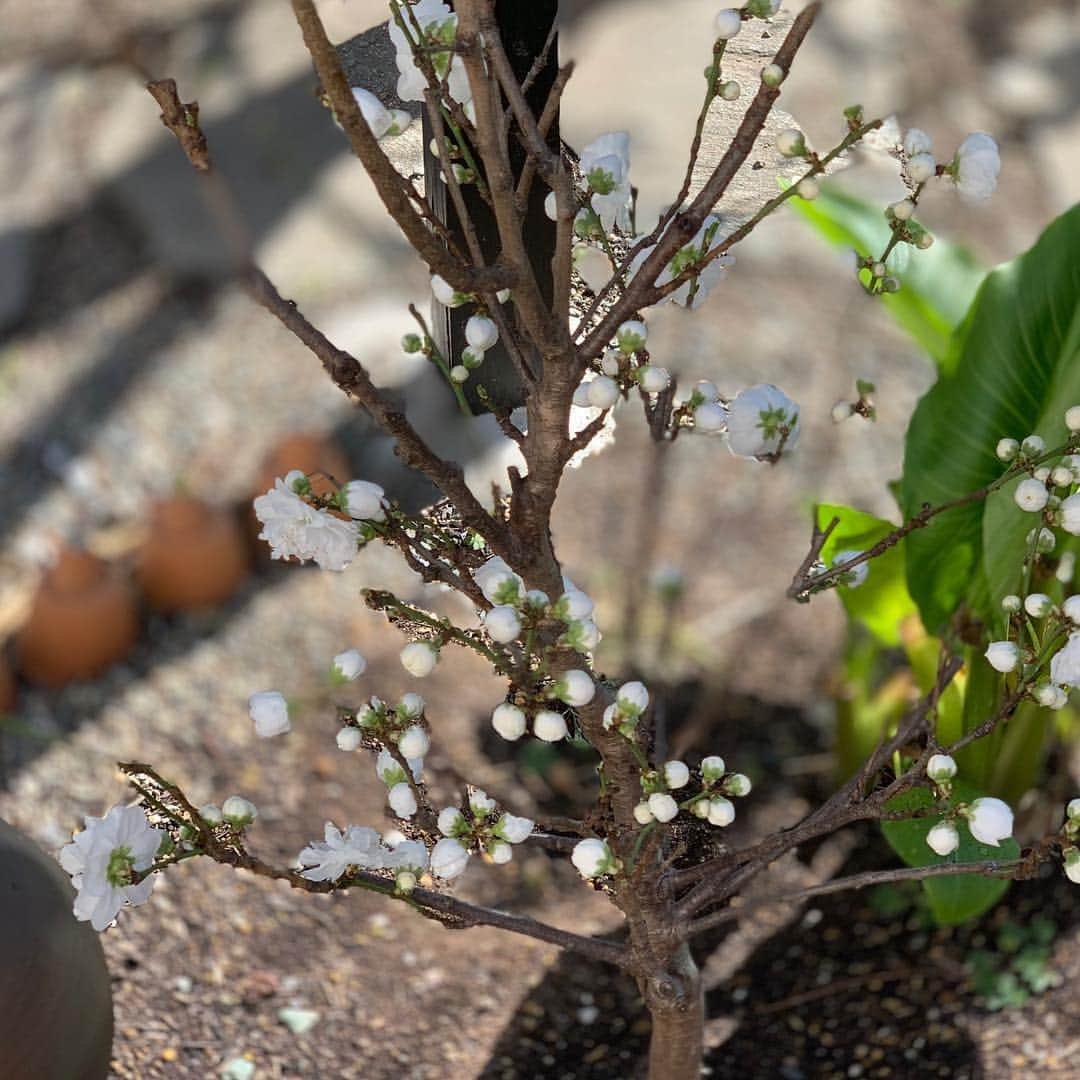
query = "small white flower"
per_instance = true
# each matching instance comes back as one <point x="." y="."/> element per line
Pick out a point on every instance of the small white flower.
<point x="500" y="852"/>
<point x="721" y="811"/>
<point x="480" y="803"/>
<point x="448" y="859"/>
<point x="738" y="784"/>
<point x="593" y="266"/>
<point x="990" y="820"/>
<point x="1011" y="603"/>
<point x="642" y="814"/>
<point x="601" y="392"/>
<point x="348" y="739"/>
<point x="676" y="774"/>
<point x="916" y="141"/>
<point x="452" y="822"/>
<point x="211" y="814"/>
<point x="410" y="706"/>
<point x="943" y="838"/>
<point x="1071" y="862"/>
<point x="1038" y="605"/>
<point x="481" y="332"/>
<point x="498" y="583"/>
<point x="755" y="419"/>
<point x="727" y="23"/>
<point x="294" y="529"/>
<point x="593" y="858"/>
<point x="941" y="767"/>
<point x="402" y="800"/>
<point x="631" y="336"/>
<point x="976" y="166"/>
<point x="575" y="687"/>
<point x="349" y="665"/>
<point x="419" y="658"/>
<point x="239" y="811"/>
<point x="1003" y="655"/>
<point x="390" y="772"/>
<point x="1065" y="665"/>
<point x="653" y="379"/>
<point x="1031" y="495"/>
<point x="104" y="858"/>
<point x="514" y="829"/>
<point x="1070" y="514"/>
<point x="414" y="742"/>
<point x="632" y="698"/>
<point x="1033" y="446"/>
<point x="270" y="713"/>
<point x="921" y="168"/>
<point x="509" y="721"/>
<point x="712" y="767"/>
<point x="1050" y="696"/>
<point x="377" y="115"/>
<point x="772" y="75"/>
<point x="408" y="855"/>
<point x="857" y="573"/>
<point x="329" y="859"/>
<point x="574" y="604"/>
<point x="549" y="726"/>
<point x="502" y="624"/>
<point x="1072" y="418"/>
<point x="710" y="418"/>
<point x="364" y="500"/>
<point x="445" y="293"/>
<point x="663" y="806"/>
<point x="605" y="164"/>
<point x="1007" y="449"/>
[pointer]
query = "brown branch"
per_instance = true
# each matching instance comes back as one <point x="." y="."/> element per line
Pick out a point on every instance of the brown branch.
<point x="182" y="119"/>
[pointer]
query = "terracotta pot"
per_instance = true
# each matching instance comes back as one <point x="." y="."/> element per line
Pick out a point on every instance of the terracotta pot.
<point x="55" y="1001"/>
<point x="195" y="556"/>
<point x="7" y="686"/>
<point x="84" y="618"/>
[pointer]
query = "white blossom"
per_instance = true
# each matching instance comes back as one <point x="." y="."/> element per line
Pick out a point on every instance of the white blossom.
<point x="239" y="811"/>
<point x="1007" y="449"/>
<point x="755" y="419"/>
<point x="575" y="687"/>
<point x="293" y="529"/>
<point x="676" y="774"/>
<point x="451" y="821"/>
<point x="605" y="164"/>
<point x="663" y="806"/>
<point x="269" y="712"/>
<point x="601" y="392"/>
<point x="990" y="820"/>
<point x="481" y="332"/>
<point x="402" y="800"/>
<point x="498" y="583"/>
<point x="502" y="624"/>
<point x="380" y="119"/>
<point x="364" y="500"/>
<point x="712" y="767"/>
<point x="103" y="860"/>
<point x="721" y="811"/>
<point x="1070" y="514"/>
<point x="1072" y="810"/>
<point x="976" y="166"/>
<point x="419" y="658"/>
<point x="943" y="838"/>
<point x="573" y="604"/>
<point x="1038" y="605"/>
<point x="941" y="767"/>
<point x="1003" y="655"/>
<point x="1065" y="665"/>
<point x="1072" y="418"/>
<point x="642" y="814"/>
<point x="514" y="829"/>
<point x="593" y="265"/>
<point x="349" y="739"/>
<point x="593" y="858"/>
<point x="632" y="698"/>
<point x="211" y="814"/>
<point x="921" y="168"/>
<point x="701" y="278"/>
<point x="916" y="141"/>
<point x="408" y="854"/>
<point x="549" y="725"/>
<point x="727" y="23"/>
<point x="349" y="665"/>
<point x="631" y="336"/>
<point x="410" y="706"/>
<point x="1031" y="495"/>
<point x="501" y="852"/>
<point x="857" y="574"/>
<point x="509" y="721"/>
<point x="445" y="293"/>
<point x="414" y="742"/>
<point x="329" y="859"/>
<point x="1050" y="696"/>
<point x="1071" y="862"/>
<point x="437" y="22"/>
<point x="653" y="379"/>
<point x="448" y="859"/>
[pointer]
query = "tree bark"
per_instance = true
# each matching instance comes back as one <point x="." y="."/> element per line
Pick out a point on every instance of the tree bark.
<point x="676" y="1002"/>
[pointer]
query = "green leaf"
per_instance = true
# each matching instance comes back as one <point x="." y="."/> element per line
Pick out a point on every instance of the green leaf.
<point x="954" y="898"/>
<point x="1013" y="369"/>
<point x="881" y="602"/>
<point x="937" y="285"/>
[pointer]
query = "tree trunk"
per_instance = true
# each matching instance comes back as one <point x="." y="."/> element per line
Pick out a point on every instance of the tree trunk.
<point x="677" y="1005"/>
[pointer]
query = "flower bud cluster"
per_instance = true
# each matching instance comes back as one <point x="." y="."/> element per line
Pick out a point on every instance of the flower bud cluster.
<point x="478" y="827"/>
<point x="989" y="821"/>
<point x="712" y="801"/>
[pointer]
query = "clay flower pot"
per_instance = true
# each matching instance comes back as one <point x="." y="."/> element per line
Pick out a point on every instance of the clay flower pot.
<point x="7" y="686"/>
<point x="84" y="618"/>
<point x="195" y="556"/>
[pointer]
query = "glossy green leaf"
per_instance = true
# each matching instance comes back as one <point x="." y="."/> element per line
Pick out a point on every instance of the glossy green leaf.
<point x="881" y="602"/>
<point x="937" y="285"/>
<point x="1013" y="368"/>
<point x="954" y="898"/>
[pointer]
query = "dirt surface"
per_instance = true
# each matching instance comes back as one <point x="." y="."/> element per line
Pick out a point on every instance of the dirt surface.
<point x="128" y="368"/>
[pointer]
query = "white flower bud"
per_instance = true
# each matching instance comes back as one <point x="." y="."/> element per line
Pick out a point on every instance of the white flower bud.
<point x="772" y="75"/>
<point x="841" y="411"/>
<point x="402" y="801"/>
<point x="448" y="859"/>
<point x="575" y="687"/>
<point x="481" y="332"/>
<point x="857" y="574"/>
<point x="501" y="852"/>
<point x="238" y="811"/>
<point x="701" y="808"/>
<point x="1062" y="476"/>
<point x="1011" y="603"/>
<point x="921" y="168"/>
<point x="593" y="858"/>
<point x="451" y="821"/>
<point x="663" y="807"/>
<point x="419" y="658"/>
<point x="609" y="364"/>
<point x="1042" y="474"/>
<point x="444" y="292"/>
<point x="642" y="814"/>
<point x="712" y="768"/>
<point x="549" y="726"/>
<point x="940" y="767"/>
<point x="602" y="392"/>
<point x="1038" y="605"/>
<point x="348" y="665"/>
<point x="414" y="742"/>
<point x="1003" y="655"/>
<point x="405" y="881"/>
<point x="502" y="624"/>
<point x="514" y="829"/>
<point x="270" y="713"/>
<point x="902" y="210"/>
<point x="710" y="417"/>
<point x="1031" y="495"/>
<point x="612" y="717"/>
<point x="1071" y="608"/>
<point x="738" y="784"/>
<point x="676" y="774"/>
<point x="631" y="336"/>
<point x="1071" y="862"/>
<point x="730" y="90"/>
<point x="348" y="739"/>
<point x="943" y="838"/>
<point x="1050" y="696"/>
<point x="990" y="820"/>
<point x="296" y="480"/>
<point x="212" y="814"/>
<point x="573" y="604"/>
<point x="410" y="706"/>
<point x="1072" y="810"/>
<point x="721" y="811"/>
<point x="791" y="142"/>
<point x="653" y="379"/>
<point x="480" y="803"/>
<point x="1066" y="568"/>
<point x="509" y="721"/>
<point x="459" y="373"/>
<point x="808" y="189"/>
<point x="1072" y="418"/>
<point x="632" y="698"/>
<point x="471" y="358"/>
<point x="916" y="141"/>
<point x="1033" y="445"/>
<point x="1070" y="514"/>
<point x="707" y="391"/>
<point x="364" y="501"/>
<point x="551" y="206"/>
<point x="727" y="24"/>
<point x="537" y="599"/>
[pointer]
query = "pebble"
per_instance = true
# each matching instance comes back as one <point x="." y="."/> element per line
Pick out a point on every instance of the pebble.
<point x="298" y="1021"/>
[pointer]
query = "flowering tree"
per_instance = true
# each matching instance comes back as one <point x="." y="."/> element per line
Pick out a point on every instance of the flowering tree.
<point x="653" y="842"/>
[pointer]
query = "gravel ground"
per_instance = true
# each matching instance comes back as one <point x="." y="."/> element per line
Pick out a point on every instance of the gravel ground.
<point x="128" y="369"/>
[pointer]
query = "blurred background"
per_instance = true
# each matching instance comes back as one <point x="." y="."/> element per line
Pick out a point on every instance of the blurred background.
<point x="144" y="401"/>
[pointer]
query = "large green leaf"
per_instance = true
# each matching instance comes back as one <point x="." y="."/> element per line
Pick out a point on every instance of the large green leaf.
<point x="881" y="602"/>
<point x="1013" y="369"/>
<point x="937" y="285"/>
<point x="953" y="898"/>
